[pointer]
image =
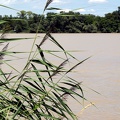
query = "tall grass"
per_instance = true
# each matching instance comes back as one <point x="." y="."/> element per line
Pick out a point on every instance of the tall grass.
<point x="34" y="93"/>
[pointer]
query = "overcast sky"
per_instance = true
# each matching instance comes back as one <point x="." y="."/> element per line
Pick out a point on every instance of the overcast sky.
<point x="97" y="7"/>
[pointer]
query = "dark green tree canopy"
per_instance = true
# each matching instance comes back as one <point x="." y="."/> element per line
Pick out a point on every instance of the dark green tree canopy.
<point x="70" y="22"/>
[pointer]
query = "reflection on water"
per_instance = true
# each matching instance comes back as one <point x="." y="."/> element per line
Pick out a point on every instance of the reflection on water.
<point x="101" y="72"/>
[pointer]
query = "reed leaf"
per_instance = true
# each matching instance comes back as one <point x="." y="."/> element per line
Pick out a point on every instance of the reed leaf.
<point x="46" y="116"/>
<point x="13" y="39"/>
<point x="34" y="86"/>
<point x="47" y="4"/>
<point x="71" y="91"/>
<point x="43" y="40"/>
<point x="2" y="54"/>
<point x="43" y="58"/>
<point x="27" y="90"/>
<point x="21" y="108"/>
<point x="54" y="41"/>
<point x="8" y="7"/>
<point x="9" y="20"/>
<point x="5" y="48"/>
<point x="59" y="68"/>
<point x="53" y="8"/>
<point x="2" y="21"/>
<point x="65" y="106"/>
<point x="42" y="63"/>
<point x="1" y="83"/>
<point x="33" y="104"/>
<point x="38" y="75"/>
<point x="30" y="95"/>
<point x="77" y="65"/>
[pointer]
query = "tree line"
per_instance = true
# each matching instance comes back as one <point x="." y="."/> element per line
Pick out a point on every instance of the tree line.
<point x="71" y="22"/>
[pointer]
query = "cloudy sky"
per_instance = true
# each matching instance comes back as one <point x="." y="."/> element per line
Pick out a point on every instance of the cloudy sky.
<point x="97" y="7"/>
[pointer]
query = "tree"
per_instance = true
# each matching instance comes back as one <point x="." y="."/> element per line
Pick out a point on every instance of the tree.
<point x="18" y="28"/>
<point x="119" y="9"/>
<point x="65" y="22"/>
<point x="22" y="14"/>
<point x="91" y="28"/>
<point x="29" y="14"/>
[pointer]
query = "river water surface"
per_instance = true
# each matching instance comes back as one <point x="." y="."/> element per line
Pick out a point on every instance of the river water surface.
<point x="101" y="72"/>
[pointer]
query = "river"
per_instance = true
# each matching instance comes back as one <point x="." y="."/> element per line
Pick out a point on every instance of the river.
<point x="101" y="72"/>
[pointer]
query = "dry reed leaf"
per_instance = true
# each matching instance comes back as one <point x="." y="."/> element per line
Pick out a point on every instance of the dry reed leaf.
<point x="44" y="39"/>
<point x="87" y="106"/>
<point x="3" y="50"/>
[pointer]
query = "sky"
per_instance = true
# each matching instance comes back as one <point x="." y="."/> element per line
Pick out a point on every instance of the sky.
<point x="96" y="7"/>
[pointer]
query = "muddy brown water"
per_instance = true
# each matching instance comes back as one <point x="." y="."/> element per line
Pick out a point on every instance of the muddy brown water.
<point x="101" y="72"/>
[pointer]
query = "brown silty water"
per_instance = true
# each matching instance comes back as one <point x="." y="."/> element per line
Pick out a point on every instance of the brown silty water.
<point x="101" y="72"/>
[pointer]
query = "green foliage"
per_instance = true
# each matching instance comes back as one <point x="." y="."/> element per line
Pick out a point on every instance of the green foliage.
<point x="40" y="91"/>
<point x="71" y="22"/>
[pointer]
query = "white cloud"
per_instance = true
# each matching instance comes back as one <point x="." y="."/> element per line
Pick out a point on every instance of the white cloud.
<point x="7" y="2"/>
<point x="66" y="10"/>
<point x="83" y="10"/>
<point x="97" y="1"/>
<point x="27" y="0"/>
<point x="57" y="1"/>
<point x="91" y="10"/>
<point x="80" y="10"/>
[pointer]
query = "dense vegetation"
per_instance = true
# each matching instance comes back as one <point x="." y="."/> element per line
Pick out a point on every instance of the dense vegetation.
<point x="62" y="23"/>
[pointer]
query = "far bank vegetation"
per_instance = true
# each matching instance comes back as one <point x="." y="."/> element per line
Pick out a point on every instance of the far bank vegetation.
<point x="71" y="22"/>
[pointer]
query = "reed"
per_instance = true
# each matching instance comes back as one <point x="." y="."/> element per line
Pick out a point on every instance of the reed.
<point x="41" y="97"/>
